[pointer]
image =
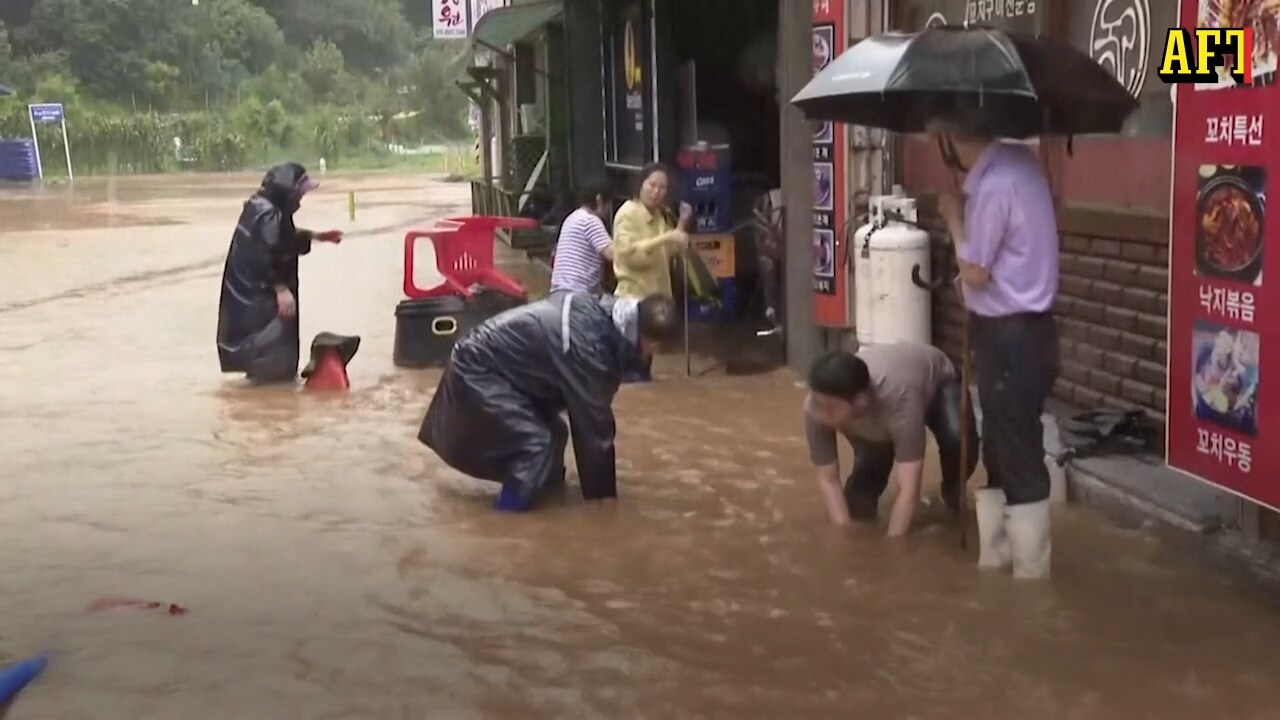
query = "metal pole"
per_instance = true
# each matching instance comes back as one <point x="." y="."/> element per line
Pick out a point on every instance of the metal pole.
<point x="36" y="138"/>
<point x="688" y="358"/>
<point x="66" y="146"/>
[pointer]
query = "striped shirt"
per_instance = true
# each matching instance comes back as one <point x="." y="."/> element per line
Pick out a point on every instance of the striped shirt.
<point x="583" y="239"/>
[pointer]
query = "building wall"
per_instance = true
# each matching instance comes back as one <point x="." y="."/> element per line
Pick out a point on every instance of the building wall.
<point x="585" y="89"/>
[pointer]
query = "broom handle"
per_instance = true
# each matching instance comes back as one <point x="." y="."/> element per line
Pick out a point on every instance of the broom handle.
<point x="966" y="368"/>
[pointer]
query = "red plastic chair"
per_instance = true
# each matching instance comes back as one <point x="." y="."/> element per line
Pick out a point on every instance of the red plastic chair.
<point x="464" y="256"/>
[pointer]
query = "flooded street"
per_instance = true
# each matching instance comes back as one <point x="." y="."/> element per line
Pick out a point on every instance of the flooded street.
<point x="333" y="569"/>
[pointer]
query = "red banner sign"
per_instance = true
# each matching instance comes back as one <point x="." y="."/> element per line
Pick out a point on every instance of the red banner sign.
<point x="830" y="158"/>
<point x="1220" y="416"/>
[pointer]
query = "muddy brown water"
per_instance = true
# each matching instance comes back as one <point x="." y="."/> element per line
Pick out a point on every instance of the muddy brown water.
<point x="334" y="569"/>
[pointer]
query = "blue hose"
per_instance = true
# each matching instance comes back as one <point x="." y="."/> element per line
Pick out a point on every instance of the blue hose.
<point x="19" y="675"/>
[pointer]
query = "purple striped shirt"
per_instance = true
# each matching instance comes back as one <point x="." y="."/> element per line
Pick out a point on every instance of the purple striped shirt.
<point x="582" y="240"/>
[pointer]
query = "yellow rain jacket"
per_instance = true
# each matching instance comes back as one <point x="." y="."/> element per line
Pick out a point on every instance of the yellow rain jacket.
<point x="642" y="247"/>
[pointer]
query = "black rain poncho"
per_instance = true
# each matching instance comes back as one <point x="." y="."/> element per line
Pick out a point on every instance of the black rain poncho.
<point x="252" y="338"/>
<point x="496" y="413"/>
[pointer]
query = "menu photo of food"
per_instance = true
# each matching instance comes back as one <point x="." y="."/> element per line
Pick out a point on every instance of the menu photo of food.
<point x="824" y="253"/>
<point x="1263" y="17"/>
<point x="824" y="186"/>
<point x="1231" y="206"/>
<point x="1224" y="387"/>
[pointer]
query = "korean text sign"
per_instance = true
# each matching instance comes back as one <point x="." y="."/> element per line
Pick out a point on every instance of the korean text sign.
<point x="1223" y="280"/>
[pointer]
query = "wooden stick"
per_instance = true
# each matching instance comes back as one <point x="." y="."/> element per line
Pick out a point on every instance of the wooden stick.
<point x="966" y="370"/>
<point x="688" y="358"/>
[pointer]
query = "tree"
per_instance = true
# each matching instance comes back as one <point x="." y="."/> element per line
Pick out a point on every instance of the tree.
<point x="6" y="55"/>
<point x="245" y="33"/>
<point x="324" y="69"/>
<point x="442" y="105"/>
<point x="161" y="79"/>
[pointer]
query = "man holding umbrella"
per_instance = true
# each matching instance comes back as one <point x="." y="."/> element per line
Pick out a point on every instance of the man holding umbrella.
<point x="1006" y="243"/>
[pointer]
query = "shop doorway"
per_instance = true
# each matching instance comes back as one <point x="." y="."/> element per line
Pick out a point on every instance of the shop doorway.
<point x="726" y="58"/>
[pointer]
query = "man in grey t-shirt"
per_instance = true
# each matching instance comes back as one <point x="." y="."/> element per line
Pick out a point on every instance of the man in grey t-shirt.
<point x="883" y="400"/>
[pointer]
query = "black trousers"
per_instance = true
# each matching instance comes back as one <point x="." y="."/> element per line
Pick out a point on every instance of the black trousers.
<point x="873" y="461"/>
<point x="1017" y="365"/>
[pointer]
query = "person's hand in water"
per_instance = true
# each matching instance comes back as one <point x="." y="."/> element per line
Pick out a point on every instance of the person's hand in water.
<point x="330" y="236"/>
<point x="286" y="305"/>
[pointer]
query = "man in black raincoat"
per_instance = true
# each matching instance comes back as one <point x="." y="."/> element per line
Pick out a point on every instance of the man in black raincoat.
<point x="496" y="413"/>
<point x="258" y="313"/>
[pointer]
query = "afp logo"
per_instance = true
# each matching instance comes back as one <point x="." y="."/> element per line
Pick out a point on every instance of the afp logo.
<point x="1198" y="62"/>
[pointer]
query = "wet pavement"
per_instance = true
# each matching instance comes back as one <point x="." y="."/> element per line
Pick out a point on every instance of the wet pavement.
<point x="333" y="569"/>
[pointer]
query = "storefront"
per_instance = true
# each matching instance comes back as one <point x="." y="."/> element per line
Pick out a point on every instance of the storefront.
<point x="518" y="80"/>
<point x="676" y="74"/>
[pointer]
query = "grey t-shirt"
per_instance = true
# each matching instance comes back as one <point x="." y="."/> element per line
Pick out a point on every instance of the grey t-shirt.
<point x="905" y="377"/>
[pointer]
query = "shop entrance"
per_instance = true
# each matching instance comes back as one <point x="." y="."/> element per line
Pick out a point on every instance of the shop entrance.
<point x="725" y="56"/>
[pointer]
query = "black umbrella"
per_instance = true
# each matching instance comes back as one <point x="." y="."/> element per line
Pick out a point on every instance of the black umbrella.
<point x="1022" y="85"/>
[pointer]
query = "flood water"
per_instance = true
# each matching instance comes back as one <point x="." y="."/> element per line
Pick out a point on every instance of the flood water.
<point x="334" y="569"/>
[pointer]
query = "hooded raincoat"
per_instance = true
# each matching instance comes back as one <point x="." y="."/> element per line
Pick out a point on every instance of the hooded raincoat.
<point x="252" y="337"/>
<point x="496" y="414"/>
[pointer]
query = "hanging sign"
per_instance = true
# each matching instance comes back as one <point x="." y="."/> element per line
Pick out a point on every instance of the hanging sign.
<point x="830" y="158"/>
<point x="449" y="19"/>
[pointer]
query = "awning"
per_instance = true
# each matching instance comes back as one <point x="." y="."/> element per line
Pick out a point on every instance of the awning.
<point x="501" y="27"/>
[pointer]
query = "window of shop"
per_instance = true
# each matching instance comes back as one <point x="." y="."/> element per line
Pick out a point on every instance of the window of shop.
<point x="727" y="53"/>
<point x="1125" y="37"/>
<point x="628" y="84"/>
<point x="1130" y="170"/>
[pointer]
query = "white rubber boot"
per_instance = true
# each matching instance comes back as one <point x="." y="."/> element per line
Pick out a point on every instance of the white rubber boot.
<point x="993" y="541"/>
<point x="1029" y="539"/>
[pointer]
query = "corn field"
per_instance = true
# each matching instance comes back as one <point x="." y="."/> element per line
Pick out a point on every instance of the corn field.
<point x="145" y="142"/>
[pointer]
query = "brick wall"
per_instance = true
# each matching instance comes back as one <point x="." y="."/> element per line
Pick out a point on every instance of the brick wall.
<point x="1112" y="309"/>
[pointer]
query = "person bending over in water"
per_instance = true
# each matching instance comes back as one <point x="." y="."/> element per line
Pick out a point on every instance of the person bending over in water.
<point x="882" y="400"/>
<point x="258" y="313"/>
<point x="496" y="412"/>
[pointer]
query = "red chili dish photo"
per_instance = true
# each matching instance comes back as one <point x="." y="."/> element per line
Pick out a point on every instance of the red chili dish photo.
<point x="1231" y="222"/>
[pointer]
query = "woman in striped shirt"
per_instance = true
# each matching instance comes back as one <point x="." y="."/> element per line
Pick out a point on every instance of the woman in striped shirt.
<point x="584" y="244"/>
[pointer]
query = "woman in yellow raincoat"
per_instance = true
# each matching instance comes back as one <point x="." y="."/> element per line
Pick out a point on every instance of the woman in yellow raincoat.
<point x="645" y="239"/>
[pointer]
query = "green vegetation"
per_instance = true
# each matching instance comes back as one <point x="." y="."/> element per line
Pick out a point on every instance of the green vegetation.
<point x="241" y="83"/>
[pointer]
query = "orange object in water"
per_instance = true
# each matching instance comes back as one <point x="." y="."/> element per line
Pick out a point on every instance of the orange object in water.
<point x="329" y="372"/>
<point x="330" y="354"/>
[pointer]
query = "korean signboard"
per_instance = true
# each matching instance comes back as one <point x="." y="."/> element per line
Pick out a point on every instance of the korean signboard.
<point x="1020" y="15"/>
<point x="50" y="114"/>
<point x="630" y="64"/>
<point x="1221" y="418"/>
<point x="449" y="19"/>
<point x="455" y="19"/>
<point x="830" y="158"/>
